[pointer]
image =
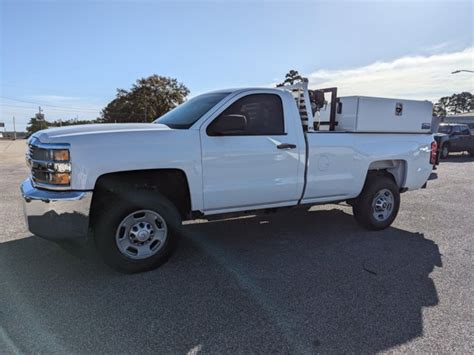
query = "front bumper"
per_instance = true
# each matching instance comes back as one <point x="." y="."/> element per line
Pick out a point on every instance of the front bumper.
<point x="56" y="215"/>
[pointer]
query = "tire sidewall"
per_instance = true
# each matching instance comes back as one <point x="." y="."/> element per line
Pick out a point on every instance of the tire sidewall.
<point x="396" y="204"/>
<point x="445" y="151"/>
<point x="363" y="210"/>
<point x="123" y="205"/>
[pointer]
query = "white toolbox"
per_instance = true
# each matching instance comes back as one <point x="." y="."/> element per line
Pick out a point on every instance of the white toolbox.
<point x="375" y="114"/>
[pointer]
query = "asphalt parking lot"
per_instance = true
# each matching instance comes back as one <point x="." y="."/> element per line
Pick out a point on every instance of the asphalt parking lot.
<point x="290" y="282"/>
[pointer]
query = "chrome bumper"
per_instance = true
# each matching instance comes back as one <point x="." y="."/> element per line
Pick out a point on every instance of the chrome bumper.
<point x="56" y="215"/>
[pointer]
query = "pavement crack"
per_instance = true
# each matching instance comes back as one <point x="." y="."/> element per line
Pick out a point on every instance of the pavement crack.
<point x="367" y="269"/>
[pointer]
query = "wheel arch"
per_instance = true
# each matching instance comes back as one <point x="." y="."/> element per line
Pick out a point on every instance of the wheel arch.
<point x="171" y="183"/>
<point x="394" y="168"/>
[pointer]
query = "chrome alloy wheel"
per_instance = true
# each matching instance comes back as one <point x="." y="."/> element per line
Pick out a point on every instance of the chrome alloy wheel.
<point x="141" y="234"/>
<point x="382" y="205"/>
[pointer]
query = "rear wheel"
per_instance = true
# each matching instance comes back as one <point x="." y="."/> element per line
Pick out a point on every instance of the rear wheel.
<point x="138" y="232"/>
<point x="445" y="151"/>
<point x="378" y="204"/>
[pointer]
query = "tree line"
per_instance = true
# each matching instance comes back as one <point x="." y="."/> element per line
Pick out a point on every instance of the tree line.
<point x="147" y="99"/>
<point x="151" y="97"/>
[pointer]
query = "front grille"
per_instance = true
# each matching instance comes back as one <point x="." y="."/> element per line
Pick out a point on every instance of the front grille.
<point x="36" y="153"/>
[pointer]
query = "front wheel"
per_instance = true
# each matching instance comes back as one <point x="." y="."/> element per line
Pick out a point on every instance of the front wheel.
<point x="378" y="204"/>
<point x="138" y="232"/>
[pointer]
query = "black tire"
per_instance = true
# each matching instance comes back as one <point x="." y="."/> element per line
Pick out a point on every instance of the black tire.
<point x="123" y="205"/>
<point x="444" y="151"/>
<point x="363" y="209"/>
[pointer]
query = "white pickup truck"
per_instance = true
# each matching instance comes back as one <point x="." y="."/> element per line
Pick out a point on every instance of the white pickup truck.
<point x="129" y="186"/>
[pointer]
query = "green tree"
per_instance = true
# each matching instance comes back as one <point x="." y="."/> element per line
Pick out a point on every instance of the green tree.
<point x="73" y="122"/>
<point x="454" y="104"/>
<point x="292" y="77"/>
<point x="36" y="123"/>
<point x="148" y="99"/>
<point x="439" y="110"/>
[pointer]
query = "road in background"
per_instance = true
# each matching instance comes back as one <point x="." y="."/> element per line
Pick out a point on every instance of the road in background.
<point x="290" y="282"/>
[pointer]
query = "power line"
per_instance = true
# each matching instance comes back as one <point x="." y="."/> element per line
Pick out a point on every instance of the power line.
<point x="40" y="104"/>
<point x="54" y="108"/>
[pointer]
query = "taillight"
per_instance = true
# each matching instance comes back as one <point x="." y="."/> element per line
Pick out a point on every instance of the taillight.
<point x="434" y="153"/>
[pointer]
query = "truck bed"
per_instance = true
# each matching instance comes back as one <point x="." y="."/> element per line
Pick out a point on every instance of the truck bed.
<point x="338" y="162"/>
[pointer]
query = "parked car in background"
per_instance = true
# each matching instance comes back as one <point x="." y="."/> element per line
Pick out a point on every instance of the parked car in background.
<point x="454" y="137"/>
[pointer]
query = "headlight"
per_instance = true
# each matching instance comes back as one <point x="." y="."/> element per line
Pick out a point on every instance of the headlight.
<point x="60" y="154"/>
<point x="62" y="167"/>
<point x="50" y="164"/>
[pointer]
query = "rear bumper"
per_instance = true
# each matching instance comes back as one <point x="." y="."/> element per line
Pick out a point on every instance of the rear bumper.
<point x="56" y="215"/>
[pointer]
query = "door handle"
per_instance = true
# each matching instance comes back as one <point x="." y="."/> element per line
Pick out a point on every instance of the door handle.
<point x="286" y="146"/>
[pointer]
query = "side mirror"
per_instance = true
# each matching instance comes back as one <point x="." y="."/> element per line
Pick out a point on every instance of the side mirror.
<point x="228" y="125"/>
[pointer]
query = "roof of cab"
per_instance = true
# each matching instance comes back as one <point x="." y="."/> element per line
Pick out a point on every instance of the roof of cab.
<point x="235" y="90"/>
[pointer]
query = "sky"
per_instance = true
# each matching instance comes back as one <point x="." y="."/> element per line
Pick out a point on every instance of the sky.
<point x="69" y="57"/>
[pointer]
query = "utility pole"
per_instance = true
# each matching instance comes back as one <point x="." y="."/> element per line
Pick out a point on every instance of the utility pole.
<point x="40" y="117"/>
<point x="14" y="129"/>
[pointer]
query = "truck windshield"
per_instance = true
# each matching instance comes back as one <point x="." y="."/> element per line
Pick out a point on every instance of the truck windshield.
<point x="444" y="129"/>
<point x="184" y="116"/>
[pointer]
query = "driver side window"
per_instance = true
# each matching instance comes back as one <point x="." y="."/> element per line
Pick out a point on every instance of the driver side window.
<point x="465" y="131"/>
<point x="263" y="115"/>
<point x="457" y="130"/>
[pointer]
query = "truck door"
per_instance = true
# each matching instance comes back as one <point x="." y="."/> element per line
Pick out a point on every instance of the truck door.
<point x="455" y="140"/>
<point x="466" y="141"/>
<point x="470" y="139"/>
<point x="250" y="154"/>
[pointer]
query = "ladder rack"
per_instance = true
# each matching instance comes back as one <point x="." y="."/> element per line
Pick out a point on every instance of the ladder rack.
<point x="306" y="113"/>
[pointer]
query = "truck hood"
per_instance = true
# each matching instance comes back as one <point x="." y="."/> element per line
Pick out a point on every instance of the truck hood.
<point x="52" y="135"/>
<point x="101" y="149"/>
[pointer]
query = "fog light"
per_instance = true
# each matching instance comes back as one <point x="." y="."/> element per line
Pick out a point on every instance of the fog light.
<point x="60" y="178"/>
